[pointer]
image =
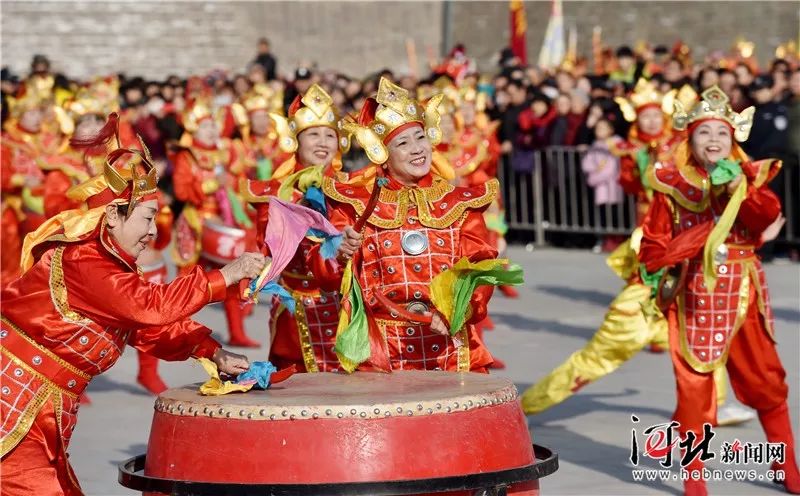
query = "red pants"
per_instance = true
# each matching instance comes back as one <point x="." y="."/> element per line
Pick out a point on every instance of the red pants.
<point x="755" y="370"/>
<point x="38" y="465"/>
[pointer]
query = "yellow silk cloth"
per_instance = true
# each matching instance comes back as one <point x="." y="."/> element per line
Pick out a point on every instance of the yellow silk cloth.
<point x="720" y="233"/>
<point x="215" y="386"/>
<point x="69" y="225"/>
<point x="302" y="180"/>
<point x="623" y="333"/>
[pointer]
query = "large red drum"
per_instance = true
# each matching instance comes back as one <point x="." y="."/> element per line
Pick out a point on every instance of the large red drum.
<point x="410" y="432"/>
<point x="221" y="243"/>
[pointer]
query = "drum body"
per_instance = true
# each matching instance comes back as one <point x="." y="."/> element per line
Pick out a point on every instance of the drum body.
<point x="335" y="428"/>
<point x="220" y="243"/>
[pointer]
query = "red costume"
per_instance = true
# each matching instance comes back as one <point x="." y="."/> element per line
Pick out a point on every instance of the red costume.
<point x="306" y="338"/>
<point x="69" y="317"/>
<point x="205" y="177"/>
<point x="641" y="150"/>
<point x="260" y="152"/>
<point x="722" y="317"/>
<point x="450" y="222"/>
<point x="413" y="234"/>
<point x="25" y="158"/>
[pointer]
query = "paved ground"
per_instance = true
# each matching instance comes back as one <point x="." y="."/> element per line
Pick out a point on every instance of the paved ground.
<point x="561" y="305"/>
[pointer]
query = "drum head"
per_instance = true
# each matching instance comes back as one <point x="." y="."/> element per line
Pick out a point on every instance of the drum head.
<point x="362" y="394"/>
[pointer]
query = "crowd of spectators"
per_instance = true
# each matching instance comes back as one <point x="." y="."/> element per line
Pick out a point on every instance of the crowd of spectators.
<point x="569" y="106"/>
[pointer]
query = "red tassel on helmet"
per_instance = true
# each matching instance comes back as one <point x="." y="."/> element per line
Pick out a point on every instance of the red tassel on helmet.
<point x="108" y="131"/>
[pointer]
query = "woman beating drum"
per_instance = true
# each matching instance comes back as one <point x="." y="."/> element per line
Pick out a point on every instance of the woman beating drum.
<point x="78" y="302"/>
<point x="411" y="225"/>
<point x="711" y="210"/>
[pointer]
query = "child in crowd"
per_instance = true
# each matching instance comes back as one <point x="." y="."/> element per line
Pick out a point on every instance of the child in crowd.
<point x="602" y="172"/>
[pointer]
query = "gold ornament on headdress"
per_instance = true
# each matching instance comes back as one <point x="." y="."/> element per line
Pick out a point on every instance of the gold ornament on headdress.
<point x="118" y="177"/>
<point x="714" y="104"/>
<point x="317" y="110"/>
<point x="645" y="93"/>
<point x="99" y="98"/>
<point x="200" y="110"/>
<point x="37" y="92"/>
<point x="396" y="108"/>
<point x="260" y="97"/>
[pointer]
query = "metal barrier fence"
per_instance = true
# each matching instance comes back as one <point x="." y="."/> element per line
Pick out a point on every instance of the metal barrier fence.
<point x="546" y="192"/>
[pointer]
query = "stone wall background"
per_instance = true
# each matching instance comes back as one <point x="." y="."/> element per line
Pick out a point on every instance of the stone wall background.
<point x="155" y="39"/>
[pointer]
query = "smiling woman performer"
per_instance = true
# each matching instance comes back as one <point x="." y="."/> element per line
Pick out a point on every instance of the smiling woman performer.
<point x="420" y="227"/>
<point x="78" y="302"/>
<point x="311" y="133"/>
<point x="713" y="208"/>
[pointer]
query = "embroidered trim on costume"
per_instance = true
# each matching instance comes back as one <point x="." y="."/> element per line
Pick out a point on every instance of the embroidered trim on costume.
<point x="309" y="358"/>
<point x="46" y="351"/>
<point x="422" y="197"/>
<point x="691" y="177"/>
<point x="58" y="291"/>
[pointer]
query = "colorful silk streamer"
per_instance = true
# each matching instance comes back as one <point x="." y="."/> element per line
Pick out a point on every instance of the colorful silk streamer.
<point x="263" y="169"/>
<point x="352" y="335"/>
<point x="260" y="375"/>
<point x="725" y="171"/>
<point x="642" y="162"/>
<point x="237" y="209"/>
<point x="288" y="224"/>
<point x="451" y="290"/>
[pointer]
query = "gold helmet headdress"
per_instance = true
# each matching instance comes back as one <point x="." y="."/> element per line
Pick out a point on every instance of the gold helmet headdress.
<point x="314" y="109"/>
<point x="260" y="97"/>
<point x="100" y="98"/>
<point x="391" y="111"/>
<point x="128" y="178"/>
<point x="645" y="95"/>
<point x="35" y="93"/>
<point x="713" y="104"/>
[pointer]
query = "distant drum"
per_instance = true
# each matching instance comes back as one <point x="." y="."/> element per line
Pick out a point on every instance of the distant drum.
<point x="220" y="243"/>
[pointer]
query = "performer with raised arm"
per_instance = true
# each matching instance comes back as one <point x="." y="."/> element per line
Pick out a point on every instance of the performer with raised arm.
<point x="404" y="229"/>
<point x="79" y="301"/>
<point x="711" y="209"/>
<point x="633" y="320"/>
<point x="86" y="112"/>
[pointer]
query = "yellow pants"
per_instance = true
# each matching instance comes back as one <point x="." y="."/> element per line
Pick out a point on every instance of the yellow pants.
<point x="625" y="331"/>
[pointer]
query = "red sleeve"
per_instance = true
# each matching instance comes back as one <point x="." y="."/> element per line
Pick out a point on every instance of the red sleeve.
<point x="124" y="300"/>
<point x="475" y="246"/>
<point x="176" y="342"/>
<point x="629" y="176"/>
<point x="659" y="248"/>
<point x="759" y="209"/>
<point x="187" y="186"/>
<point x="262" y="219"/>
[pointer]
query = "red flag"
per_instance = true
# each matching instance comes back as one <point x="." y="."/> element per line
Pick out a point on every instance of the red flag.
<point x="519" y="26"/>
